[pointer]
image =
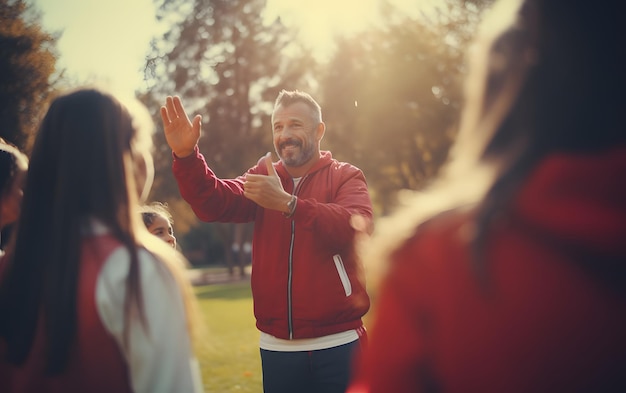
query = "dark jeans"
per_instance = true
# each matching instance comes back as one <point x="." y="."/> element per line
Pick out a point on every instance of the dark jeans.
<point x="321" y="371"/>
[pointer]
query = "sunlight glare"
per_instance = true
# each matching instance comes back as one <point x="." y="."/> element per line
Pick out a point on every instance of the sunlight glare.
<point x="102" y="42"/>
<point x="319" y="21"/>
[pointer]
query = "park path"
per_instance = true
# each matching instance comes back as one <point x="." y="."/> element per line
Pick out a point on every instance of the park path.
<point x="216" y="276"/>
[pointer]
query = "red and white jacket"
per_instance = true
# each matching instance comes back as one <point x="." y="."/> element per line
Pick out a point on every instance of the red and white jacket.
<point x="157" y="359"/>
<point x="306" y="279"/>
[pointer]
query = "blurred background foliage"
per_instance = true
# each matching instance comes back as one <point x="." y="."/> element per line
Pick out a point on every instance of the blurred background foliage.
<point x="27" y="71"/>
<point x="390" y="95"/>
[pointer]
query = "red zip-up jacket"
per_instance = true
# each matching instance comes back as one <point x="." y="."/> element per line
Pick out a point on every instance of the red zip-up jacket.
<point x="544" y="321"/>
<point x="306" y="279"/>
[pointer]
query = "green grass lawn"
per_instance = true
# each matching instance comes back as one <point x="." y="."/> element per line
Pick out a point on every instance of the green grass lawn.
<point x="229" y="359"/>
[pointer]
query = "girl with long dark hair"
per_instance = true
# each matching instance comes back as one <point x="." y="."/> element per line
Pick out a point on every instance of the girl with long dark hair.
<point x="90" y="301"/>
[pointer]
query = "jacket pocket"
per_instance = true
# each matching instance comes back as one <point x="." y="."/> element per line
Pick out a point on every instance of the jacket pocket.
<point x="343" y="275"/>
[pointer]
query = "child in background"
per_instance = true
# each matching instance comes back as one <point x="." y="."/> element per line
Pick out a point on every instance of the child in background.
<point x="159" y="222"/>
<point x="91" y="301"/>
<point x="13" y="167"/>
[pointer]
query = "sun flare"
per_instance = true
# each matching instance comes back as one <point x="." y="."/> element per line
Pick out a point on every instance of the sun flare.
<point x="319" y="21"/>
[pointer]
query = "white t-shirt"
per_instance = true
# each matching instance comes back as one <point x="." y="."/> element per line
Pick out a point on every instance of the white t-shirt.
<point x="272" y="343"/>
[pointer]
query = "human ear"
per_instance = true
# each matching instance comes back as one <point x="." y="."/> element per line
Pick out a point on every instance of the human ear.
<point x="320" y="131"/>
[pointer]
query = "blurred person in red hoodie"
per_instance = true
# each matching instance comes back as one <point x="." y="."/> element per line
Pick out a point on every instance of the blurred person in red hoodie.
<point x="509" y="273"/>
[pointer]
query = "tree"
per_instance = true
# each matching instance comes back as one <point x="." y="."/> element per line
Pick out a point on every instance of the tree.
<point x="392" y="96"/>
<point x="228" y="64"/>
<point x="27" y="62"/>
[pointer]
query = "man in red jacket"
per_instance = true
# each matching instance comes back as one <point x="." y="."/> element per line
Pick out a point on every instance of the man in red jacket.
<point x="306" y="280"/>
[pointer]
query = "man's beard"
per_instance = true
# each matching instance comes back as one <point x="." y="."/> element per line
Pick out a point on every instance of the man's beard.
<point x="297" y="159"/>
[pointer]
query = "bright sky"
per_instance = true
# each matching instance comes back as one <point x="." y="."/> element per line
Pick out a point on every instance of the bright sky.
<point x="106" y="41"/>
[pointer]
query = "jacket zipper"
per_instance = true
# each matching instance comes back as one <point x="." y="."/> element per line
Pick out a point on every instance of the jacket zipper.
<point x="290" y="266"/>
<point x="289" y="282"/>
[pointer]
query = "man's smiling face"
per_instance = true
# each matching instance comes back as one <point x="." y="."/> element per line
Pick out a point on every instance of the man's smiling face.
<point x="295" y="134"/>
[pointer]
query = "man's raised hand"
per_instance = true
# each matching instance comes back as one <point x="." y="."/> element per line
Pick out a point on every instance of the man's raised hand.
<point x="181" y="134"/>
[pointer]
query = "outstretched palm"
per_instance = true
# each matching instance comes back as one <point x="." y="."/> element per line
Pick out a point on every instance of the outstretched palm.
<point x="181" y="134"/>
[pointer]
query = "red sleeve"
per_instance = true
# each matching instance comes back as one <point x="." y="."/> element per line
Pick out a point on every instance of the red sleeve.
<point x="396" y="358"/>
<point x="331" y="221"/>
<point x="211" y="198"/>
